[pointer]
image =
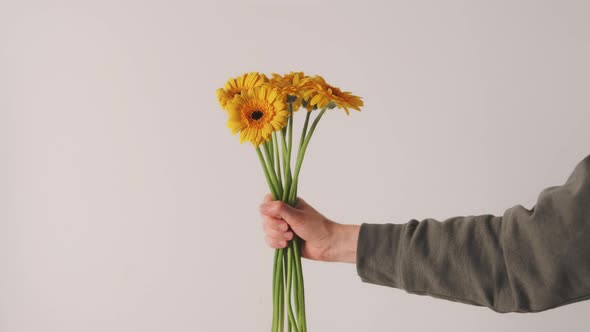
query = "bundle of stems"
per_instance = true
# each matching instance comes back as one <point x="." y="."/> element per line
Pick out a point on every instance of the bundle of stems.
<point x="275" y="157"/>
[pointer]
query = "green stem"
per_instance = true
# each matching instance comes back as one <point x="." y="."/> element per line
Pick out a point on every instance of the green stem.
<point x="296" y="286"/>
<point x="286" y="157"/>
<point x="290" y="280"/>
<point x="268" y="146"/>
<point x="271" y="171"/>
<point x="301" y="154"/>
<point x="289" y="326"/>
<point x="304" y="131"/>
<point x="284" y="133"/>
<point x="285" y="149"/>
<point x="273" y="191"/>
<point x="301" y="142"/>
<point x="290" y="130"/>
<point x="275" y="294"/>
<point x="286" y="166"/>
<point x="289" y="144"/>
<point x="300" y="296"/>
<point x="282" y="296"/>
<point x="277" y="159"/>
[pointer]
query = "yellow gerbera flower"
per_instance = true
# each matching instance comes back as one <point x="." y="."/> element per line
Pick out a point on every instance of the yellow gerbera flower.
<point x="292" y="84"/>
<point x="256" y="113"/>
<point x="319" y="94"/>
<point x="235" y="86"/>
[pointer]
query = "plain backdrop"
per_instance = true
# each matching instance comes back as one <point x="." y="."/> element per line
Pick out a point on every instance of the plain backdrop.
<point x="127" y="205"/>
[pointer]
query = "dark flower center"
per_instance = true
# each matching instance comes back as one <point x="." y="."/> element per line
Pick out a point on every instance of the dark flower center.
<point x="256" y="115"/>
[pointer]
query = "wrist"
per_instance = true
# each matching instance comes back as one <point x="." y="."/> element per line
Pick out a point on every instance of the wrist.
<point x="343" y="243"/>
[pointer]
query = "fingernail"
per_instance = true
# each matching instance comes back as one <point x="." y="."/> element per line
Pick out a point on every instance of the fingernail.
<point x="287" y="236"/>
<point x="284" y="227"/>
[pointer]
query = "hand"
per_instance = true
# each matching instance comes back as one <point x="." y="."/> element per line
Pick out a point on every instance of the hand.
<point x="324" y="239"/>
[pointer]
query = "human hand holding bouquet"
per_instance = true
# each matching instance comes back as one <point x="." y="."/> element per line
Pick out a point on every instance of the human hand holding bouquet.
<point x="261" y="110"/>
<point x="324" y="239"/>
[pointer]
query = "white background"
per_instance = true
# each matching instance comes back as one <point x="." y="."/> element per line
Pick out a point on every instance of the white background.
<point x="126" y="205"/>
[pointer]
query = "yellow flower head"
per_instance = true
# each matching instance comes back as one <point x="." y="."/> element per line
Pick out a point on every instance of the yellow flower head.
<point x="292" y="84"/>
<point x="256" y="113"/>
<point x="235" y="86"/>
<point x="319" y="94"/>
<point x="289" y="84"/>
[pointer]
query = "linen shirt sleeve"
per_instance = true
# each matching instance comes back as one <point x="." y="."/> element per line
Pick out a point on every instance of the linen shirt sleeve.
<point x="523" y="261"/>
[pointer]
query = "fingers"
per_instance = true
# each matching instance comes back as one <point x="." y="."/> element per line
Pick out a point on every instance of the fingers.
<point x="278" y="209"/>
<point x="274" y="243"/>
<point x="277" y="217"/>
<point x="277" y="232"/>
<point x="272" y="224"/>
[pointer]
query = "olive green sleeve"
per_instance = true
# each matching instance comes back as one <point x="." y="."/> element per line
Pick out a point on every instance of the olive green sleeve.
<point x="523" y="261"/>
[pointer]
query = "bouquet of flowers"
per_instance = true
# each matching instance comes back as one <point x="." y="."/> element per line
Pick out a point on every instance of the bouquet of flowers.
<point x="261" y="110"/>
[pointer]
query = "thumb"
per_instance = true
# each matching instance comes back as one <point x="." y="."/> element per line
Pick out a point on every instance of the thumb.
<point x="282" y="210"/>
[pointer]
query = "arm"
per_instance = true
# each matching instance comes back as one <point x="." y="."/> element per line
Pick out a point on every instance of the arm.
<point x="523" y="261"/>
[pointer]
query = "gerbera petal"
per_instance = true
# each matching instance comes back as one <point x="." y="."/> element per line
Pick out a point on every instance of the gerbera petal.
<point x="249" y="79"/>
<point x="272" y="96"/>
<point x="236" y="127"/>
<point x="253" y="135"/>
<point x="235" y="116"/>
<point x="276" y="125"/>
<point x="264" y="92"/>
<point x="241" y="80"/>
<point x="315" y="99"/>
<point x="265" y="133"/>
<point x="243" y="135"/>
<point x="228" y="85"/>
